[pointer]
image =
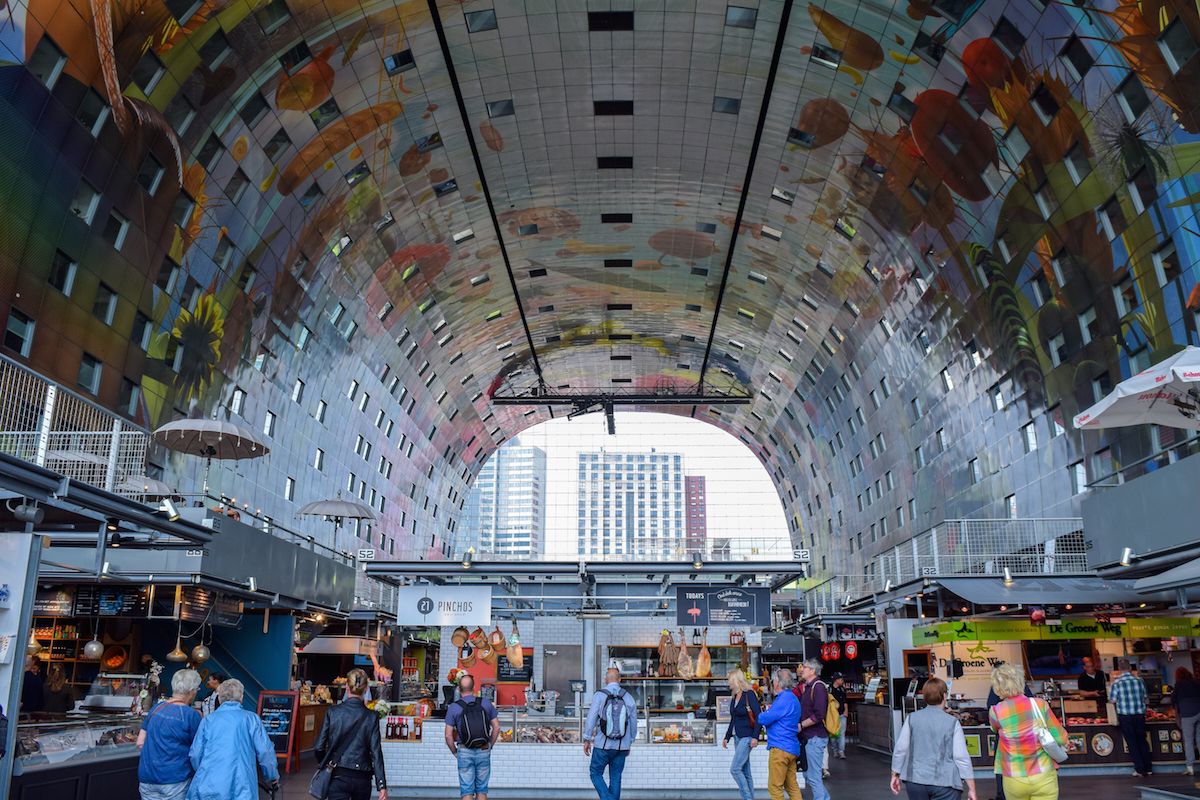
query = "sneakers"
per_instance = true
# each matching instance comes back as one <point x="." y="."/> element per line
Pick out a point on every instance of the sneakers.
<point x="1189" y="770"/>
<point x="1136" y="774"/>
<point x="824" y="773"/>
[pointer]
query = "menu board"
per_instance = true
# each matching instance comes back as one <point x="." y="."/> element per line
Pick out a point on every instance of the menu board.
<point x="723" y="605"/>
<point x="507" y="673"/>
<point x="103" y="601"/>
<point x="278" y="713"/>
<point x="56" y="602"/>
<point x="204" y="605"/>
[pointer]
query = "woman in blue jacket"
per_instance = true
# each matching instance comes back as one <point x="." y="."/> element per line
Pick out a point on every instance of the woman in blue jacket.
<point x="228" y="750"/>
<point x="743" y="729"/>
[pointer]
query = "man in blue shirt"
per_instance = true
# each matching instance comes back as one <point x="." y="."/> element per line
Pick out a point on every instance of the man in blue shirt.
<point x="782" y="721"/>
<point x="164" y="770"/>
<point x="612" y="729"/>
<point x="474" y="757"/>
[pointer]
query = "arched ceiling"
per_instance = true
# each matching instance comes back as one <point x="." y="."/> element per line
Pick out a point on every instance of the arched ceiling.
<point x="480" y="196"/>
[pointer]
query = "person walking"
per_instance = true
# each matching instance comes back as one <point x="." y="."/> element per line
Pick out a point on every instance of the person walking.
<point x="813" y="705"/>
<point x="472" y="729"/>
<point x="609" y="733"/>
<point x="837" y="689"/>
<point x="993" y="700"/>
<point x="168" y="729"/>
<point x="938" y="766"/>
<point x="1029" y="773"/>
<point x="1186" y="698"/>
<point x="349" y="739"/>
<point x="230" y="746"/>
<point x="209" y="704"/>
<point x="743" y="729"/>
<point x="782" y="721"/>
<point x="1128" y="694"/>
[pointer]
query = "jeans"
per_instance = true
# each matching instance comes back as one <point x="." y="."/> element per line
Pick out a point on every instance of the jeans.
<point x="1043" y="786"/>
<point x="164" y="791"/>
<point x="740" y="767"/>
<point x="815" y="748"/>
<point x="1133" y="728"/>
<point x="350" y="784"/>
<point x="781" y="775"/>
<point x="614" y="762"/>
<point x="923" y="791"/>
<point x="474" y="771"/>
<point x="1190" y="727"/>
<point x="837" y="744"/>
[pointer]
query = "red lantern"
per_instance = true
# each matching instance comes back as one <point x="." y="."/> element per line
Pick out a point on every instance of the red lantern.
<point x="835" y="652"/>
<point x="851" y="650"/>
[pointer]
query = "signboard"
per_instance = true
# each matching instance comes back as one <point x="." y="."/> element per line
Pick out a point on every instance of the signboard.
<point x="507" y="673"/>
<point x="802" y="554"/>
<point x="54" y="602"/>
<point x="723" y="605"/>
<point x="278" y="711"/>
<point x="204" y="605"/>
<point x="102" y="601"/>
<point x="435" y="606"/>
<point x="999" y="630"/>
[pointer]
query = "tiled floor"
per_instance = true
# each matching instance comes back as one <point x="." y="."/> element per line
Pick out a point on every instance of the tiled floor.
<point x="862" y="776"/>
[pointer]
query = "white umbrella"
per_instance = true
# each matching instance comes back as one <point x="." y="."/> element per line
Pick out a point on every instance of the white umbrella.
<point x="338" y="509"/>
<point x="1167" y="394"/>
<point x="145" y="486"/>
<point x="210" y="438"/>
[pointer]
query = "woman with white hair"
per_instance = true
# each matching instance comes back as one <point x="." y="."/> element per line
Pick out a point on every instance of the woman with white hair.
<point x="164" y="770"/>
<point x="229" y="747"/>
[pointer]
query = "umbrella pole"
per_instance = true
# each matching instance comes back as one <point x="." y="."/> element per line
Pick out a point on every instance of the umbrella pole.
<point x="207" y="469"/>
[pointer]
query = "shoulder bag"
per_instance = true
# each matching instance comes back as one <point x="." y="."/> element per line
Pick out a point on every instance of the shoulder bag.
<point x="318" y="787"/>
<point x="1045" y="737"/>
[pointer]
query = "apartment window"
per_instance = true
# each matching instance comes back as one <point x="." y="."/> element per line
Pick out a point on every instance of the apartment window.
<point x="352" y="390"/>
<point x="1142" y="190"/>
<point x="1078" y="477"/>
<point x="1088" y="325"/>
<point x="915" y="405"/>
<point x="1139" y="360"/>
<point x="289" y="489"/>
<point x="996" y="397"/>
<point x="1010" y="39"/>
<point x="147" y="72"/>
<point x="1077" y="57"/>
<point x="303" y="337"/>
<point x="1058" y="349"/>
<point x="62" y="272"/>
<point x="1010" y="506"/>
<point x="237" y="402"/>
<point x="92" y="112"/>
<point x="254" y="109"/>
<point x="116" y="229"/>
<point x="885" y="386"/>
<point x="325" y="113"/>
<point x="272" y="15"/>
<point x="1166" y="265"/>
<point x="1029" y="437"/>
<point x="85" y="201"/>
<point x="18" y="333"/>
<point x="1015" y="146"/>
<point x="1177" y="45"/>
<point x="1125" y="294"/>
<point x="1101" y="386"/>
<point x="919" y="456"/>
<point x="236" y="186"/>
<point x="180" y="114"/>
<point x="940" y="439"/>
<point x="268" y="427"/>
<point x="1045" y="200"/>
<point x="874" y="398"/>
<point x="104" y="307"/>
<point x="947" y="381"/>
<point x="297" y="391"/>
<point x="322" y="408"/>
<point x="319" y="460"/>
<point x="150" y="173"/>
<point x="89" y="372"/>
<point x="1039" y="288"/>
<point x="1132" y="97"/>
<point x="899" y="516"/>
<point x="972" y="471"/>
<point x="1044" y="104"/>
<point x="127" y="402"/>
<point x="363" y="401"/>
<point x="1078" y="165"/>
<point x="1112" y="218"/>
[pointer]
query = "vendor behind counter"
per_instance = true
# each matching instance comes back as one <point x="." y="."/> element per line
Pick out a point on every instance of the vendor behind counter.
<point x="1093" y="683"/>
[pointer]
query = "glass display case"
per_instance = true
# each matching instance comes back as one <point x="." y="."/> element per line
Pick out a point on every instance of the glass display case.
<point x="116" y="693"/>
<point x="524" y="729"/>
<point x="681" y="730"/>
<point x="672" y="695"/>
<point x="78" y="740"/>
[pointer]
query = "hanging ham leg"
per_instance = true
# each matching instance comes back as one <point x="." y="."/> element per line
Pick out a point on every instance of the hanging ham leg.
<point x="685" y="667"/>
<point x="704" y="660"/>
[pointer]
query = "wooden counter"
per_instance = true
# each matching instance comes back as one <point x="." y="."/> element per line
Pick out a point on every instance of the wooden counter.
<point x="308" y="726"/>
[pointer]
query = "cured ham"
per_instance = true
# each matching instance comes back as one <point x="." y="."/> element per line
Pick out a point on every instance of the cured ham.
<point x="668" y="655"/>
<point x="685" y="668"/>
<point x="704" y="660"/>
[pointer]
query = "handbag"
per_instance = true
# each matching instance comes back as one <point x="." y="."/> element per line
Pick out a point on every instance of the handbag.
<point x="318" y="787"/>
<point x="1045" y="738"/>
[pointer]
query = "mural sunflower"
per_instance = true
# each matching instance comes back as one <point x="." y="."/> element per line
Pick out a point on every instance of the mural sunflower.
<point x="199" y="333"/>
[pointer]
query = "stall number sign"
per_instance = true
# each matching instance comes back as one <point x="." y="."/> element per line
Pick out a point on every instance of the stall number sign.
<point x="366" y="554"/>
<point x="432" y="606"/>
<point x="728" y="605"/>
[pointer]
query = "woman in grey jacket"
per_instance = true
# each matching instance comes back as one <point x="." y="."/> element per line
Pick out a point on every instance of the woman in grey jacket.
<point x="938" y="765"/>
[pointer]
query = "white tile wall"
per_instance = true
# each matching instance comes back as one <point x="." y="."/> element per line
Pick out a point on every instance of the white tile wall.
<point x="428" y="764"/>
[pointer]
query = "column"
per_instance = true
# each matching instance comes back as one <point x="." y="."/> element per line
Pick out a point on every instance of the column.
<point x="589" y="655"/>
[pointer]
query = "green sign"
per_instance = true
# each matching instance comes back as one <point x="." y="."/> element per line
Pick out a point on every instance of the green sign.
<point x="999" y="630"/>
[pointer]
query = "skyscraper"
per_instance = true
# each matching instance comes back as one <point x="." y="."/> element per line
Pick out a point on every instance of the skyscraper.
<point x="631" y="504"/>
<point x="697" y="513"/>
<point x="505" y="512"/>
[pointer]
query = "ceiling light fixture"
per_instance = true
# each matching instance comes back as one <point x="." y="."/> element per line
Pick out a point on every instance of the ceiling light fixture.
<point x="1008" y="578"/>
<point x="468" y="557"/>
<point x="1126" y="556"/>
<point x="168" y="507"/>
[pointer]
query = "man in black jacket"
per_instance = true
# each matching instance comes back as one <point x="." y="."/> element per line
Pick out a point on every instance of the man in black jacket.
<point x="350" y="741"/>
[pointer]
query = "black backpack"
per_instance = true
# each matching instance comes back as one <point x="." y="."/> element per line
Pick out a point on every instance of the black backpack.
<point x="472" y="725"/>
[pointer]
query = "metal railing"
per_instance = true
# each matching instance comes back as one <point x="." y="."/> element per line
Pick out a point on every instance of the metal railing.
<point x="649" y="548"/>
<point x="52" y="427"/>
<point x="1046" y="546"/>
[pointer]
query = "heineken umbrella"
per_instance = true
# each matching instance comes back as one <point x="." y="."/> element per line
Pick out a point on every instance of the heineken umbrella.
<point x="1167" y="394"/>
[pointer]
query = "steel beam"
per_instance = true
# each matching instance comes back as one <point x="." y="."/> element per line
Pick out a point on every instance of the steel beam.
<point x="584" y="401"/>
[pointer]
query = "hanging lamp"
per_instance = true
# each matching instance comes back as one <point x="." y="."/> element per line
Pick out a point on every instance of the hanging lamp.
<point x="95" y="648"/>
<point x="178" y="655"/>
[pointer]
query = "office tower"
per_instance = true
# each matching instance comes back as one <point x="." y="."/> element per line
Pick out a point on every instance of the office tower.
<point x="631" y="504"/>
<point x="697" y="513"/>
<point x="505" y="512"/>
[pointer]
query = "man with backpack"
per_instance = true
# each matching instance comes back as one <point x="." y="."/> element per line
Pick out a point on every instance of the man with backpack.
<point x="814" y="733"/>
<point x="472" y="728"/>
<point x="612" y="727"/>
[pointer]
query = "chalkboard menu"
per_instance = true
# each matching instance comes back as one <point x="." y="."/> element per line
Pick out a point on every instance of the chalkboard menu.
<point x="204" y="605"/>
<point x="53" y="602"/>
<point x="507" y="673"/>
<point x="101" y="601"/>
<point x="278" y="713"/>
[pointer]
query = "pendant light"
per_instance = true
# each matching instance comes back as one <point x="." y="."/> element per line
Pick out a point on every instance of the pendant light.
<point x="200" y="653"/>
<point x="34" y="647"/>
<point x="95" y="648"/>
<point x="178" y="655"/>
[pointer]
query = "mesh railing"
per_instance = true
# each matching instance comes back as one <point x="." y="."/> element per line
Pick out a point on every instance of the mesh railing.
<point x="651" y="549"/>
<point x="47" y="425"/>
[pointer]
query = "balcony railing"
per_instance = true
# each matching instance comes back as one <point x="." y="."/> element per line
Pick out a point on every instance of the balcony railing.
<point x="1047" y="546"/>
<point x="649" y="548"/>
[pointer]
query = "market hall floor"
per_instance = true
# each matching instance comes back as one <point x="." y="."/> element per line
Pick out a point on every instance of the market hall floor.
<point x="862" y="776"/>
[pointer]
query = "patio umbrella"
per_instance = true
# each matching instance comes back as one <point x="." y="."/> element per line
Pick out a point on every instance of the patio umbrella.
<point x="209" y="439"/>
<point x="1167" y="394"/>
<point x="144" y="486"/>
<point x="337" y="509"/>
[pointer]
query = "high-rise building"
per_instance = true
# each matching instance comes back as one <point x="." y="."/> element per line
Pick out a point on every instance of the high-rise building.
<point x="697" y="513"/>
<point x="631" y="504"/>
<point x="505" y="512"/>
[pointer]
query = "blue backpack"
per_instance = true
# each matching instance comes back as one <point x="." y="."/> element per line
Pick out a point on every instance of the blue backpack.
<point x="614" y="715"/>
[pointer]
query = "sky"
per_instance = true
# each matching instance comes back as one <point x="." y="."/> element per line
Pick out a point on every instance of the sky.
<point x="742" y="501"/>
